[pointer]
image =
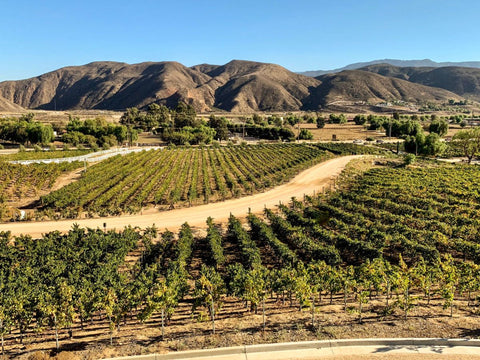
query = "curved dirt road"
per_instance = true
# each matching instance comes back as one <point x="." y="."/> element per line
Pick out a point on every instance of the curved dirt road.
<point x="307" y="182"/>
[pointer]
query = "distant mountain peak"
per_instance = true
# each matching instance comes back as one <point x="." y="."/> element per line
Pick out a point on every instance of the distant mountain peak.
<point x="394" y="62"/>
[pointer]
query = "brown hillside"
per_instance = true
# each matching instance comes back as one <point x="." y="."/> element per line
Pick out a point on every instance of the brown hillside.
<point x="238" y="86"/>
<point x="244" y="86"/>
<point x="462" y="81"/>
<point x="107" y="85"/>
<point x="8" y="106"/>
<point x="358" y="85"/>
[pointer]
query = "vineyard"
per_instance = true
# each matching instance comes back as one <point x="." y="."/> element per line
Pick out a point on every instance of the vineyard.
<point x="183" y="176"/>
<point x="392" y="241"/>
<point x="20" y="181"/>
<point x="38" y="155"/>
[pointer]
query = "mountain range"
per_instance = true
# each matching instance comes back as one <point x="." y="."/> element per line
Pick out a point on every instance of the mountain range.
<point x="238" y="86"/>
<point x="394" y="62"/>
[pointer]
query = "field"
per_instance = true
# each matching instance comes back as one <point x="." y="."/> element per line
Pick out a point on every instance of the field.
<point x="21" y="182"/>
<point x="38" y="155"/>
<point x="176" y="177"/>
<point x="343" y="132"/>
<point x="395" y="251"/>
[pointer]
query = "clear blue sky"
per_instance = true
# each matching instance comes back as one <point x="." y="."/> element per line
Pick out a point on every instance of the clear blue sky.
<point x="40" y="36"/>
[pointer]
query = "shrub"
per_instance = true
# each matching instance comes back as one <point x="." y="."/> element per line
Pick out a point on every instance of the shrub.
<point x="409" y="159"/>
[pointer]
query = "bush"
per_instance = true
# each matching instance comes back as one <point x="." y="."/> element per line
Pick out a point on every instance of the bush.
<point x="320" y="122"/>
<point x="21" y="148"/>
<point x="409" y="159"/>
<point x="338" y="119"/>
<point x="439" y="127"/>
<point x="360" y="119"/>
<point x="305" y="135"/>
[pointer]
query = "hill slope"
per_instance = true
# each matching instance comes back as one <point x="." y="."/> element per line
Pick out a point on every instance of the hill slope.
<point x="238" y="86"/>
<point x="394" y="62"/>
<point x="363" y="86"/>
<point x="104" y="85"/>
<point x="460" y="80"/>
<point x="9" y="106"/>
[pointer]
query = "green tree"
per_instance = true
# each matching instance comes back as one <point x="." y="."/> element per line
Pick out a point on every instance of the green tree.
<point x="439" y="127"/>
<point x="219" y="124"/>
<point x="320" y="122"/>
<point x="467" y="141"/>
<point x="185" y="115"/>
<point x="305" y="135"/>
<point x="360" y="119"/>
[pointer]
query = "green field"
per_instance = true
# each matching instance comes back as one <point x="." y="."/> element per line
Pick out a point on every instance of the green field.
<point x="180" y="176"/>
<point x="393" y="236"/>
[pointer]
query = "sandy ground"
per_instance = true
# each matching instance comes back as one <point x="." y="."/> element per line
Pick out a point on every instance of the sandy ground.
<point x="307" y="182"/>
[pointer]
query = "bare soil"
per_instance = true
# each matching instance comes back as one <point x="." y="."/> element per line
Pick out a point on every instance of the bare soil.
<point x="238" y="326"/>
<point x="343" y="132"/>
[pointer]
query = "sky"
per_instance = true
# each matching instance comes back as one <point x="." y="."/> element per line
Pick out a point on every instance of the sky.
<point x="38" y="36"/>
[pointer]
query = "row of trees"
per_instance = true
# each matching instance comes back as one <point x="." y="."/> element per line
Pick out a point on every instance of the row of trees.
<point x="97" y="132"/>
<point x="25" y="130"/>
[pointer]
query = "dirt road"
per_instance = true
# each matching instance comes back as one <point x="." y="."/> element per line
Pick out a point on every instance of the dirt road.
<point x="307" y="182"/>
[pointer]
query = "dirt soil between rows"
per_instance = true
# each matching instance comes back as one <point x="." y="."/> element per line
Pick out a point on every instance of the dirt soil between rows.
<point x="313" y="180"/>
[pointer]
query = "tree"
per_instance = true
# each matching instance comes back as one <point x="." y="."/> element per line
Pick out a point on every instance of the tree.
<point x="467" y="141"/>
<point x="320" y="122"/>
<point x="219" y="124"/>
<point x="129" y="117"/>
<point x="426" y="145"/>
<point x="360" y="119"/>
<point x="338" y="119"/>
<point x="439" y="127"/>
<point x="185" y="115"/>
<point x="433" y="145"/>
<point x="305" y="135"/>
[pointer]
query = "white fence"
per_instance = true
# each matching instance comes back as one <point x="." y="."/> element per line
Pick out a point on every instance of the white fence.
<point x="90" y="157"/>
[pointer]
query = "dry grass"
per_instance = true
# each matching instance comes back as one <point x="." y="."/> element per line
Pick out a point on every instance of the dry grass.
<point x="344" y="132"/>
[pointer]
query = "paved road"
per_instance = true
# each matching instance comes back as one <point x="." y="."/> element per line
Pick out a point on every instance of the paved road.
<point x="353" y="349"/>
<point x="307" y="182"/>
